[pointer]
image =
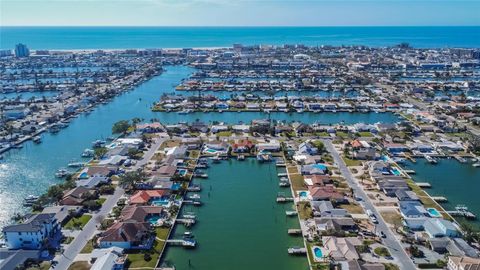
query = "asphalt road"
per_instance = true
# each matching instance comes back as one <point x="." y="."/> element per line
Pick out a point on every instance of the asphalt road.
<point x="393" y="244"/>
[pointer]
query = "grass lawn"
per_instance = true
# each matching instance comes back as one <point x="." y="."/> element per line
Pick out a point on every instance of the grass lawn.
<point x="137" y="260"/>
<point x="292" y="169"/>
<point x="42" y="266"/>
<point x="88" y="248"/>
<point x="297" y="182"/>
<point x="81" y="265"/>
<point x="169" y="144"/>
<point x="352" y="162"/>
<point x="67" y="240"/>
<point x="101" y="200"/>
<point x="342" y="134"/>
<point x="304" y="210"/>
<point x="352" y="208"/>
<point x="77" y="223"/>
<point x="365" y="134"/>
<point x="224" y="133"/>
<point x="381" y="251"/>
<point x="194" y="154"/>
<point x="392" y="217"/>
<point x="391" y="266"/>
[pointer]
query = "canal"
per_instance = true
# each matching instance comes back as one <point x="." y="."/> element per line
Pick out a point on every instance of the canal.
<point x="240" y="225"/>
<point x="458" y="182"/>
<point x="31" y="170"/>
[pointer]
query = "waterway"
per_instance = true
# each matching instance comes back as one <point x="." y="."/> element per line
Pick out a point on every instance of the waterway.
<point x="458" y="182"/>
<point x="31" y="170"/>
<point x="240" y="226"/>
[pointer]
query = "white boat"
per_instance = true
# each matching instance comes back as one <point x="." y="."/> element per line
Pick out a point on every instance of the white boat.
<point x="476" y="165"/>
<point x="76" y="164"/>
<point x="187" y="111"/>
<point x="99" y="143"/>
<point x="88" y="153"/>
<point x="37" y="139"/>
<point x="31" y="198"/>
<point x="430" y="159"/>
<point x="62" y="173"/>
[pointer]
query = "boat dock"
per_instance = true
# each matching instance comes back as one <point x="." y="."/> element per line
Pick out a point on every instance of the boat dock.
<point x="439" y="198"/>
<point x="295" y="231"/>
<point x="297" y="251"/>
<point x="424" y="185"/>
<point x="186" y="221"/>
<point x="182" y="242"/>
<point x="284" y="199"/>
<point x="462" y="211"/>
<point x="282" y="175"/>
<point x="196" y="203"/>
<point x="291" y="213"/>
<point x="409" y="171"/>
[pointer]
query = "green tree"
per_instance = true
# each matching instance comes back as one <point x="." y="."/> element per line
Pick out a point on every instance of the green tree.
<point x="130" y="178"/>
<point x="120" y="127"/>
<point x="99" y="152"/>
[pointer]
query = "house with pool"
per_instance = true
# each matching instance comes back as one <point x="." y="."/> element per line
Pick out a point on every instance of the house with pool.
<point x="154" y="197"/>
<point x="214" y="149"/>
<point x="155" y="215"/>
<point x="128" y="235"/>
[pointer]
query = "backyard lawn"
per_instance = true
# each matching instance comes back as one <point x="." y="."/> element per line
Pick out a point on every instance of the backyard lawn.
<point x="137" y="259"/>
<point x="77" y="223"/>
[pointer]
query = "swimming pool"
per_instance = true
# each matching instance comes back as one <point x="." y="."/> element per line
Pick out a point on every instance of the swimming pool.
<point x="83" y="175"/>
<point x="153" y="219"/>
<point x="396" y="172"/>
<point x="318" y="254"/>
<point x="303" y="195"/>
<point x="434" y="212"/>
<point x="182" y="172"/>
<point x="160" y="202"/>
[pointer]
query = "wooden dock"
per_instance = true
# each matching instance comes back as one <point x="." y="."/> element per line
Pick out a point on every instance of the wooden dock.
<point x="295" y="231"/>
<point x="424" y="185"/>
<point x="439" y="198"/>
<point x="297" y="251"/>
<point x="284" y="199"/>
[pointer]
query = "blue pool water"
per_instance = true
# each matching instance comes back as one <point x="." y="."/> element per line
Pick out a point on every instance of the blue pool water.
<point x="182" y="172"/>
<point x="318" y="252"/>
<point x="153" y="219"/>
<point x="303" y="194"/>
<point x="434" y="212"/>
<point x="160" y="202"/>
<point x="395" y="171"/>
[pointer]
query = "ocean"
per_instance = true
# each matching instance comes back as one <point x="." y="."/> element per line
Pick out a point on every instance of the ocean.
<point x="189" y="37"/>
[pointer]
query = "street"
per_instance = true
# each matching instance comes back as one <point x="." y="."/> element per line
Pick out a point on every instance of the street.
<point x="393" y="244"/>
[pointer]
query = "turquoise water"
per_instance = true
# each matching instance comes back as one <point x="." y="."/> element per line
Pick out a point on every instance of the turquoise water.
<point x="239" y="226"/>
<point x="434" y="212"/>
<point x="318" y="252"/>
<point x="187" y="37"/>
<point x="31" y="170"/>
<point x="458" y="182"/>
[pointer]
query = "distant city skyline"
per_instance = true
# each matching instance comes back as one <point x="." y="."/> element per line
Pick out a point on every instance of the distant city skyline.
<point x="239" y="13"/>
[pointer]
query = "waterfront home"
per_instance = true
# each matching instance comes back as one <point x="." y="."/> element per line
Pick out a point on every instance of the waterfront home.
<point x="107" y="259"/>
<point x="242" y="146"/>
<point x="166" y="171"/>
<point x="318" y="180"/>
<point x="177" y="151"/>
<point x="142" y="213"/>
<point x="241" y="128"/>
<point x="414" y="224"/>
<point x="192" y="143"/>
<point x="220" y="148"/>
<point x="63" y="213"/>
<point x="127" y="235"/>
<point x="396" y="148"/>
<point x="102" y="170"/>
<point x="406" y="195"/>
<point x="439" y="227"/>
<point x="463" y="263"/>
<point x="319" y="169"/>
<point x="459" y="247"/>
<point x="326" y="193"/>
<point x="341" y="248"/>
<point x="38" y="231"/>
<point x="149" y="127"/>
<point x="272" y="146"/>
<point x="412" y="209"/>
<point x="144" y="197"/>
<point x="92" y="182"/>
<point x="326" y="209"/>
<point x="307" y="148"/>
<point x="218" y="128"/>
<point x="391" y="184"/>
<point x="363" y="150"/>
<point x="324" y="224"/>
<point x="76" y="196"/>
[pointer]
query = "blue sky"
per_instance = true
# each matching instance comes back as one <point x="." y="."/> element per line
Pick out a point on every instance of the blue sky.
<point x="240" y="12"/>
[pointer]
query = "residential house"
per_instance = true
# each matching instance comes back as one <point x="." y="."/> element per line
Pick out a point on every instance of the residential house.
<point x="76" y="196"/>
<point x="326" y="193"/>
<point x="335" y="224"/>
<point x="37" y="232"/>
<point x="463" y="263"/>
<point x="341" y="248"/>
<point x="439" y="227"/>
<point x="128" y="235"/>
